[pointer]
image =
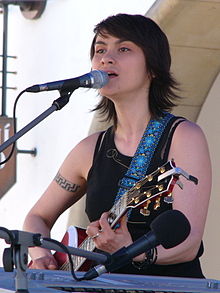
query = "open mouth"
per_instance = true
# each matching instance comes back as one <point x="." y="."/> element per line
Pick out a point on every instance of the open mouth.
<point x="112" y="74"/>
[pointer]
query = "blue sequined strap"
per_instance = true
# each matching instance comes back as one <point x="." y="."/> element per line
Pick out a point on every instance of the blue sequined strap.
<point x="144" y="153"/>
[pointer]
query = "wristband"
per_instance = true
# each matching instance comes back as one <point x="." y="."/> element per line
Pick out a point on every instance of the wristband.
<point x="150" y="259"/>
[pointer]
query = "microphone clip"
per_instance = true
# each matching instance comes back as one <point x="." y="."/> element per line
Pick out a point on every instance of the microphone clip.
<point x="62" y="100"/>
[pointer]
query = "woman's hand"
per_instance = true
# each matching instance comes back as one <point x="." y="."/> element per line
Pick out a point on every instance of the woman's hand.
<point x="106" y="238"/>
<point x="47" y="262"/>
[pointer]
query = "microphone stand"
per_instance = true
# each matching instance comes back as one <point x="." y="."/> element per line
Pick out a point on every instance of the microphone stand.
<point x="57" y="104"/>
<point x="17" y="254"/>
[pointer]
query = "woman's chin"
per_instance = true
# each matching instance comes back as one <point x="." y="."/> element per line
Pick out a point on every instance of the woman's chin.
<point x="107" y="93"/>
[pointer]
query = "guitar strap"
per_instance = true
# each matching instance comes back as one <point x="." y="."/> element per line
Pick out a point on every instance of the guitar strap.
<point x="144" y="153"/>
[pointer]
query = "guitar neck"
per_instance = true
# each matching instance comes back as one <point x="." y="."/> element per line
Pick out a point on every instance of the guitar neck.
<point x="116" y="212"/>
<point x="89" y="245"/>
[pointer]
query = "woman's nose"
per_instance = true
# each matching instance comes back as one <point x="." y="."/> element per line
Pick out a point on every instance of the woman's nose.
<point x="108" y="59"/>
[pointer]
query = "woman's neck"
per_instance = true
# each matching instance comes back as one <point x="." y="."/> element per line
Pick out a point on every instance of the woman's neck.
<point x="132" y="117"/>
<point x="130" y="128"/>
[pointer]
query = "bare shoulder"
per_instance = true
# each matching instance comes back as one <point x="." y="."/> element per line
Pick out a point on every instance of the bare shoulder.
<point x="80" y="158"/>
<point x="88" y="144"/>
<point x="189" y="133"/>
<point x="187" y="127"/>
<point x="189" y="143"/>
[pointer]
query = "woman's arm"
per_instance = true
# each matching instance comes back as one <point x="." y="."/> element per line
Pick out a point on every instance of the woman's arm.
<point x="68" y="186"/>
<point x="190" y="151"/>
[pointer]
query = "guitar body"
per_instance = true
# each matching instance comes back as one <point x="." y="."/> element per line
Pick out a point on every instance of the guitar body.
<point x="74" y="236"/>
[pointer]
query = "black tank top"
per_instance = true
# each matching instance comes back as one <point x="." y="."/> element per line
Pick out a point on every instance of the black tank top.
<point x="102" y="186"/>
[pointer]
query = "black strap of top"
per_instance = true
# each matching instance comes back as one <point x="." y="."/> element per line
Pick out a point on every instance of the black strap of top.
<point x="99" y="143"/>
<point x="168" y="139"/>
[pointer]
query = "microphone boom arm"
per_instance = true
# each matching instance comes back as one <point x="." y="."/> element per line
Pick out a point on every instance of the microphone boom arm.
<point x="58" y="104"/>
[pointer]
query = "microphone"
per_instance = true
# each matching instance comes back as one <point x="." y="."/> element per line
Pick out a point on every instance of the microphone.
<point x="169" y="229"/>
<point x="94" y="79"/>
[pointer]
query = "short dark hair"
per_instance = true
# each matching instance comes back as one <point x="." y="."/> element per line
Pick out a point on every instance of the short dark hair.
<point x="146" y="34"/>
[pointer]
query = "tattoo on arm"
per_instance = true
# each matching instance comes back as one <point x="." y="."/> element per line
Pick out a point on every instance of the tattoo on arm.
<point x="65" y="184"/>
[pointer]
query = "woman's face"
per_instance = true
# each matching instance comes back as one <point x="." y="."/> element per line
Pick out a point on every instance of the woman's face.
<point x="125" y="64"/>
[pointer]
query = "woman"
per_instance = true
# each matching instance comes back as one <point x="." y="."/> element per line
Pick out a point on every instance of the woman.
<point x="134" y="52"/>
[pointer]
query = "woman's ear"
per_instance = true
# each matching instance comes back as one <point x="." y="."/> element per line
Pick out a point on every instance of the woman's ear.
<point x="151" y="75"/>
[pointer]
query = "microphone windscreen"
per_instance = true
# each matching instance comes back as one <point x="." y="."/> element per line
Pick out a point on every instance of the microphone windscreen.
<point x="100" y="78"/>
<point x="171" y="228"/>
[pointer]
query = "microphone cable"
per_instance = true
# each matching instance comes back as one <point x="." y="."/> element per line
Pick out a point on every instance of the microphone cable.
<point x="58" y="103"/>
<point x="14" y="129"/>
<point x="66" y="250"/>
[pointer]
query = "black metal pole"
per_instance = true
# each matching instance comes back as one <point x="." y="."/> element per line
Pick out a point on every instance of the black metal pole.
<point x="58" y="104"/>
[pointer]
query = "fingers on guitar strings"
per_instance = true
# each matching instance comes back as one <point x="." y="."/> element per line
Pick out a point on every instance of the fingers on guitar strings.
<point x="97" y="234"/>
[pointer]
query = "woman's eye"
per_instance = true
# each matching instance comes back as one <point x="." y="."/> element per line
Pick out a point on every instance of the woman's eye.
<point x="124" y="49"/>
<point x="99" y="51"/>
